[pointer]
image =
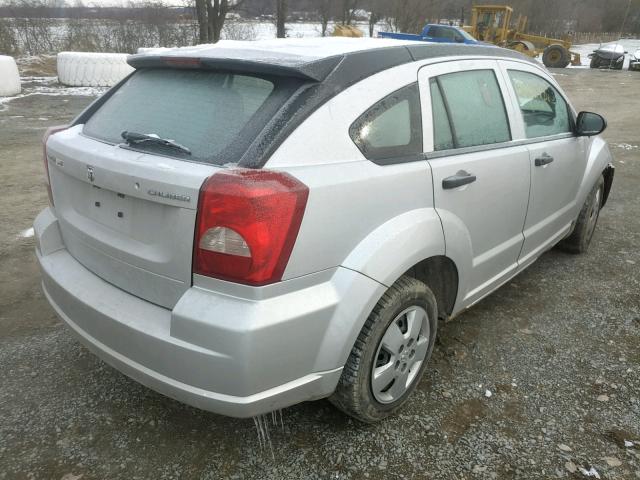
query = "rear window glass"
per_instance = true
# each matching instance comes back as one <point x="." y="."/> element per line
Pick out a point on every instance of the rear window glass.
<point x="391" y="129"/>
<point x="201" y="110"/>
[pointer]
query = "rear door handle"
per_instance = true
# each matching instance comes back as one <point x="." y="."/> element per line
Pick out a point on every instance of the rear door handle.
<point x="543" y="159"/>
<point x="459" y="179"/>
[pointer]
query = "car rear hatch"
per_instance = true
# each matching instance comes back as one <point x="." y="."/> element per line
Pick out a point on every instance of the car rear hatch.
<point x="127" y="212"/>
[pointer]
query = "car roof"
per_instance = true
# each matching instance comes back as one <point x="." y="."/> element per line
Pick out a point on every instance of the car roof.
<point x="279" y="49"/>
<point x="319" y="47"/>
<point x="316" y="58"/>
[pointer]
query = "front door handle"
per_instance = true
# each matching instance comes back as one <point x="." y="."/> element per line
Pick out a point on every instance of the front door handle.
<point x="543" y="159"/>
<point x="457" y="180"/>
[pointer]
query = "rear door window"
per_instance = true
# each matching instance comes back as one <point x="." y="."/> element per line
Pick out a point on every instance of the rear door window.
<point x="391" y="128"/>
<point x="544" y="111"/>
<point x="474" y="107"/>
<point x="202" y="110"/>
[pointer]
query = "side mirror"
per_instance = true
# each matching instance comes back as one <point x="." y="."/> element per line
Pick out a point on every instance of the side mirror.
<point x="589" y="124"/>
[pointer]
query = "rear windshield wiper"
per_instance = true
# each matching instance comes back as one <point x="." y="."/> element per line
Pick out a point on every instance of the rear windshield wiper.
<point x="135" y="138"/>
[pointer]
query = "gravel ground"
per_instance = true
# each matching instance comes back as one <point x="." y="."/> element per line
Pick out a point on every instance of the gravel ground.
<point x="538" y="380"/>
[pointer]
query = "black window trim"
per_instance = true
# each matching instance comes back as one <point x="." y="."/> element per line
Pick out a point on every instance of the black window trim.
<point x="438" y="154"/>
<point x="447" y="109"/>
<point x="387" y="155"/>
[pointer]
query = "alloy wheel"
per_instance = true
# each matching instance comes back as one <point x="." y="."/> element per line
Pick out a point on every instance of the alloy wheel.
<point x="400" y="355"/>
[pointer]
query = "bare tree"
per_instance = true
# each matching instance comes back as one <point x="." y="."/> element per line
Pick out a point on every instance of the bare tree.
<point x="281" y="15"/>
<point x="201" y="14"/>
<point x="377" y="13"/>
<point x="407" y="15"/>
<point x="234" y="30"/>
<point x="325" y="10"/>
<point x="347" y="10"/>
<point x="8" y="42"/>
<point x="211" y="17"/>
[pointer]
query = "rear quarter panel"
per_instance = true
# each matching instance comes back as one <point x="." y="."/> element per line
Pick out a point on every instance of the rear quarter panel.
<point x="378" y="220"/>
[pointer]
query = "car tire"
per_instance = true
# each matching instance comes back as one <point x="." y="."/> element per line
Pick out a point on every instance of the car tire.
<point x="580" y="238"/>
<point x="380" y="351"/>
<point x="556" y="56"/>
<point x="595" y="62"/>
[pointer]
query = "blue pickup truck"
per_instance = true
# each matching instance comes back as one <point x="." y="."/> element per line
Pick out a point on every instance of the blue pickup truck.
<point x="434" y="33"/>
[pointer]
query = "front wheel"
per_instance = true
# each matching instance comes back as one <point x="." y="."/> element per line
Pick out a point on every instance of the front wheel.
<point x="580" y="238"/>
<point x="390" y="354"/>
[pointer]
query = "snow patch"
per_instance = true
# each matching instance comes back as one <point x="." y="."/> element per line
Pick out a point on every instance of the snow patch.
<point x="27" y="233"/>
<point x="625" y="146"/>
<point x="50" y="86"/>
<point x="592" y="472"/>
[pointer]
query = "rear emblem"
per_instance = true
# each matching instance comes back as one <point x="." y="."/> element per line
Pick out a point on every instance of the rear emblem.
<point x="90" y="175"/>
<point x="169" y="195"/>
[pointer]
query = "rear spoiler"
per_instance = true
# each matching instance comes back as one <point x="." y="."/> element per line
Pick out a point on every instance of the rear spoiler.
<point x="243" y="61"/>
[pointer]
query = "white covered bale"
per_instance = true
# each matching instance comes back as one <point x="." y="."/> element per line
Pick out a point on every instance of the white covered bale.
<point x="9" y="77"/>
<point x="86" y="69"/>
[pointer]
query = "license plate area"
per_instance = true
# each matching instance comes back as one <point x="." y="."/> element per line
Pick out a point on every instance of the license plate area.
<point x="111" y="209"/>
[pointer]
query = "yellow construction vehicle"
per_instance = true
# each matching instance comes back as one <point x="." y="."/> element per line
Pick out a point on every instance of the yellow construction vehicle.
<point x="492" y="24"/>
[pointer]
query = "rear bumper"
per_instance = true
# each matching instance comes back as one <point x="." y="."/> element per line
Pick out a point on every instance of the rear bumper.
<point x="218" y="352"/>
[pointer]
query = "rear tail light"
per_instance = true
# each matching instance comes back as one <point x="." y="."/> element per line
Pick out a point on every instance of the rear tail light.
<point x="248" y="221"/>
<point x="50" y="131"/>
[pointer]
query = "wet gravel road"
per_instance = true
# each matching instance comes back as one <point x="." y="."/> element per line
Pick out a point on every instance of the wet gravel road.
<point x="539" y="380"/>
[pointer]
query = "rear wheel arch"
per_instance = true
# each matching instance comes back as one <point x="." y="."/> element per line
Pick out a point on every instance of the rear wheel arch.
<point x="397" y="245"/>
<point x="579" y="239"/>
<point x="440" y="274"/>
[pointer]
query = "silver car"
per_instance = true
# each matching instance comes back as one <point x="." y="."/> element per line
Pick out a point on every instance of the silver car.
<point x="246" y="226"/>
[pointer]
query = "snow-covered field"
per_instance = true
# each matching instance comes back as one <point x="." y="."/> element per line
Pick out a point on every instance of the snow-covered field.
<point x="267" y="31"/>
<point x="48" y="85"/>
